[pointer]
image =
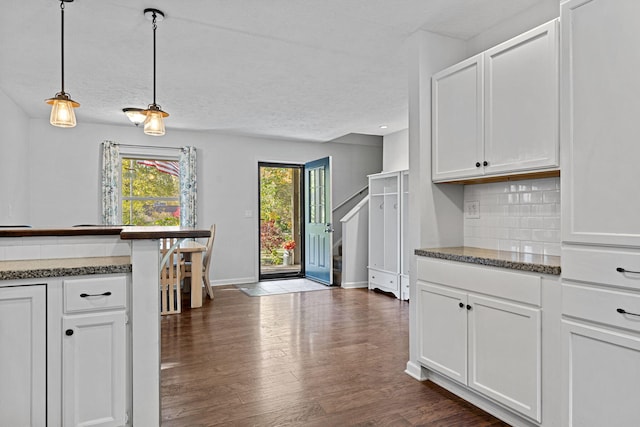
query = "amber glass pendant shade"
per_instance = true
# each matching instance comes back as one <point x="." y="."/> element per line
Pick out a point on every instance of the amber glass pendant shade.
<point x="62" y="114"/>
<point x="154" y="123"/>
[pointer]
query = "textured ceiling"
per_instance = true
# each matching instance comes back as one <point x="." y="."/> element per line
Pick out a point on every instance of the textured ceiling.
<point x="299" y="69"/>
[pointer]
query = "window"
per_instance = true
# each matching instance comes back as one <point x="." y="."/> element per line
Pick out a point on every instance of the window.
<point x="150" y="192"/>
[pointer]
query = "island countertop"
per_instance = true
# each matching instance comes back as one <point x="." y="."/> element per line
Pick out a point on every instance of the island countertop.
<point x="125" y="232"/>
<point x="43" y="268"/>
<point x="546" y="264"/>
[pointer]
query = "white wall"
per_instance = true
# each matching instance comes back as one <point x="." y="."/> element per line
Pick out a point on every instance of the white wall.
<point x="536" y="15"/>
<point x="14" y="150"/>
<point x="395" y="151"/>
<point x="64" y="169"/>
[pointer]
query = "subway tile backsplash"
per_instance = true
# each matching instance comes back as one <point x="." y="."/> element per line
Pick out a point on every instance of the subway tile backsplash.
<point x="520" y="216"/>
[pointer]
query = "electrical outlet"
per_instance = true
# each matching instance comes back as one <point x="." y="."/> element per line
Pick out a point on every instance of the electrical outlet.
<point x="472" y="210"/>
<point x="248" y="213"/>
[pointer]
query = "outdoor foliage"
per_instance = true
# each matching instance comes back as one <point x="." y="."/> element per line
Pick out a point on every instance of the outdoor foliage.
<point x="276" y="222"/>
<point x="156" y="194"/>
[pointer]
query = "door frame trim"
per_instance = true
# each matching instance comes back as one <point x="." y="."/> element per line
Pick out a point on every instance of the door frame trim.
<point x="292" y="275"/>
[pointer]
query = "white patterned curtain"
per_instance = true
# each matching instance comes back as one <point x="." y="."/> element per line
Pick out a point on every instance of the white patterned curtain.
<point x="188" y="215"/>
<point x="110" y="183"/>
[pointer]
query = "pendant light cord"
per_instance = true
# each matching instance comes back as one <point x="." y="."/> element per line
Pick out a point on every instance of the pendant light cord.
<point x="62" y="43"/>
<point x="154" y="57"/>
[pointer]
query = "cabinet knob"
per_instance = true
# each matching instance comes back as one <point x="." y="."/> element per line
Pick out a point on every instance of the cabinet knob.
<point x="469" y="307"/>
<point x="461" y="305"/>
<point x="485" y="163"/>
<point x="477" y="164"/>
<point x="68" y="332"/>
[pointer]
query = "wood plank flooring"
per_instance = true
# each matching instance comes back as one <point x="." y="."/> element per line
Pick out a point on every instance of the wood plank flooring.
<point x="333" y="357"/>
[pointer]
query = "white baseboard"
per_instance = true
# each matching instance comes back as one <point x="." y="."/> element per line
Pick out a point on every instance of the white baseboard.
<point x="415" y="370"/>
<point x="349" y="285"/>
<point x="481" y="402"/>
<point x="234" y="281"/>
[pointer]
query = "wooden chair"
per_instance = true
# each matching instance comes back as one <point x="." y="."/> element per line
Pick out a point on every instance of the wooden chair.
<point x="170" y="276"/>
<point x="206" y="263"/>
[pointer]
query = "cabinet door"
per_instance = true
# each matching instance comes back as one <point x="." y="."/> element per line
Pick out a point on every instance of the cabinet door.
<point x="505" y="353"/>
<point x="457" y="120"/>
<point x="521" y="102"/>
<point x="442" y="324"/>
<point x="93" y="371"/>
<point x="23" y="356"/>
<point x="384" y="222"/>
<point x="600" y="108"/>
<point x="601" y="376"/>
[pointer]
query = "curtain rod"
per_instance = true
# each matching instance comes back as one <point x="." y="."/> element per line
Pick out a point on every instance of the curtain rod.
<point x="148" y="146"/>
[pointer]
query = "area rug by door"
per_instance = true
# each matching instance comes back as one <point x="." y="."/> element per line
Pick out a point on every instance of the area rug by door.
<point x="276" y="287"/>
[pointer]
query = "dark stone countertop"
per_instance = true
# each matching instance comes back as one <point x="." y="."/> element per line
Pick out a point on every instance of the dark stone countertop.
<point x="545" y="264"/>
<point x="44" y="268"/>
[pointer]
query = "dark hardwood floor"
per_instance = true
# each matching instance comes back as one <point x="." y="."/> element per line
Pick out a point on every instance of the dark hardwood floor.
<point x="324" y="358"/>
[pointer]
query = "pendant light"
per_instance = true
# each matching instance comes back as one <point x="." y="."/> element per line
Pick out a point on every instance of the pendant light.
<point x="154" y="123"/>
<point x="62" y="114"/>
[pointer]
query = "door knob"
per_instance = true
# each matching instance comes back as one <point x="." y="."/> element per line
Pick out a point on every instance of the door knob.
<point x="328" y="228"/>
<point x="69" y="332"/>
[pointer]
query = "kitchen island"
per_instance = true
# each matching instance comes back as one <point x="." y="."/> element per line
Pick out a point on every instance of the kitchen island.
<point x="80" y="324"/>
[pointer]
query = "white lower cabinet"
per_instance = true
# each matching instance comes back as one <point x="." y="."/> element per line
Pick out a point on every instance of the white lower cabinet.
<point x="442" y="317"/>
<point x="94" y="352"/>
<point x="505" y="353"/>
<point x="490" y="345"/>
<point x="601" y="352"/>
<point x="23" y="356"/>
<point x="601" y="376"/>
<point x="65" y="352"/>
<point x="484" y="331"/>
<point x="94" y="370"/>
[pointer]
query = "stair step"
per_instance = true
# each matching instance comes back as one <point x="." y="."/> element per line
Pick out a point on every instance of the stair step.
<point x="337" y="263"/>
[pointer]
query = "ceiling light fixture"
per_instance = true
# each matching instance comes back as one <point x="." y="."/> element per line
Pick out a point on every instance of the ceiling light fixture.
<point x="154" y="123"/>
<point x="136" y="115"/>
<point x="383" y="126"/>
<point x="62" y="114"/>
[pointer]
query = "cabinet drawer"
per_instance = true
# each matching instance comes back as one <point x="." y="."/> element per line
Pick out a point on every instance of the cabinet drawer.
<point x="601" y="266"/>
<point x="601" y="305"/>
<point x="96" y="293"/>
<point x="494" y="281"/>
<point x="382" y="279"/>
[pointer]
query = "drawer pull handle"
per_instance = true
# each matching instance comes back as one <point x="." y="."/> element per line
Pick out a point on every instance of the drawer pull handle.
<point x="622" y="270"/>
<point x="104" y="294"/>
<point x="461" y="305"/>
<point x="623" y="311"/>
<point x="469" y="307"/>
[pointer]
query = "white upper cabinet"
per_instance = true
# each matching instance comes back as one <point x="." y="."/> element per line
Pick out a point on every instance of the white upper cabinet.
<point x="521" y="102"/>
<point x="497" y="112"/>
<point x="457" y="120"/>
<point x="600" y="111"/>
